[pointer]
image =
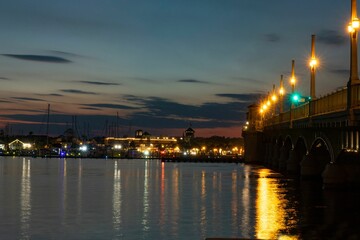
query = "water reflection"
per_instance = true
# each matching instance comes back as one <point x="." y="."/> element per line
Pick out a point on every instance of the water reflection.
<point x="245" y="220"/>
<point x="145" y="221"/>
<point x="147" y="199"/>
<point x="270" y="205"/>
<point x="162" y="197"/>
<point x="25" y="199"/>
<point x="117" y="201"/>
<point x="203" y="218"/>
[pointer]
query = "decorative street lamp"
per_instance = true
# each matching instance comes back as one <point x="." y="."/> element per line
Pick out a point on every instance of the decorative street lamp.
<point x="274" y="98"/>
<point x="313" y="63"/>
<point x="353" y="31"/>
<point x="281" y="94"/>
<point x="292" y="79"/>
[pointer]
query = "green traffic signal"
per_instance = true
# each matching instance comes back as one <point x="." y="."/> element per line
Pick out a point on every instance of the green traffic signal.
<point x="295" y="97"/>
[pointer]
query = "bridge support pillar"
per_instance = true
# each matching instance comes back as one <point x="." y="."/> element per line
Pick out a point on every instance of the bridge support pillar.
<point x="284" y="155"/>
<point x="268" y="153"/>
<point x="309" y="167"/>
<point x="293" y="164"/>
<point x="333" y="176"/>
<point x="275" y="156"/>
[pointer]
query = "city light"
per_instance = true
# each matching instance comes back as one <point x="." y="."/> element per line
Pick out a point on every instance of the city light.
<point x="83" y="148"/>
<point x="117" y="146"/>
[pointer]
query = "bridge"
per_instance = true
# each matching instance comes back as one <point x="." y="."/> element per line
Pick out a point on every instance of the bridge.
<point x="314" y="137"/>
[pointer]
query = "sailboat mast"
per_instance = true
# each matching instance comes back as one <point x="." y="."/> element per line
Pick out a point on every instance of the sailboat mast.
<point x="47" y="125"/>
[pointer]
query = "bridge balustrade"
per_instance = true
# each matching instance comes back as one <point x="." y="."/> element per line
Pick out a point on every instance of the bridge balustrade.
<point x="301" y="111"/>
<point x="336" y="101"/>
<point x="355" y="92"/>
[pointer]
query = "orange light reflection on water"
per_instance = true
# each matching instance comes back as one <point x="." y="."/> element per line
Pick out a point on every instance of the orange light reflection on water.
<point x="271" y="213"/>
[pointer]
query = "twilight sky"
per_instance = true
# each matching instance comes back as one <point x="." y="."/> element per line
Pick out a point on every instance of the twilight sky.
<point x="160" y="64"/>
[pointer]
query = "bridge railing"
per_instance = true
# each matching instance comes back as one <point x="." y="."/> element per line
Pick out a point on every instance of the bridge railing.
<point x="355" y="92"/>
<point x="301" y="111"/>
<point x="330" y="103"/>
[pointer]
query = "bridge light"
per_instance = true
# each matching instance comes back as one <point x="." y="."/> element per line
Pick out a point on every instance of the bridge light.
<point x="313" y="62"/>
<point x="295" y="97"/>
<point x="293" y="81"/>
<point x="355" y="23"/>
<point x="281" y="91"/>
<point x="274" y="98"/>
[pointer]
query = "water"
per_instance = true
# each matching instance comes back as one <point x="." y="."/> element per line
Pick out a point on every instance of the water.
<point x="147" y="199"/>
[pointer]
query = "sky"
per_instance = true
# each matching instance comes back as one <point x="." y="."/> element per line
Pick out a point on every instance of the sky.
<point x="160" y="65"/>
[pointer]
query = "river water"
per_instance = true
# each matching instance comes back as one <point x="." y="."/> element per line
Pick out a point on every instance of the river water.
<point x="147" y="199"/>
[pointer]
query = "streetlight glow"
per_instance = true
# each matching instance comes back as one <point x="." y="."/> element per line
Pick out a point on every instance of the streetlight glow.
<point x="355" y="24"/>
<point x="351" y="29"/>
<point x="281" y="91"/>
<point x="292" y="81"/>
<point x="313" y="63"/>
<point x="273" y="98"/>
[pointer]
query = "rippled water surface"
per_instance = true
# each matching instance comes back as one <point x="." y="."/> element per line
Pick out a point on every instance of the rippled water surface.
<point x="147" y="199"/>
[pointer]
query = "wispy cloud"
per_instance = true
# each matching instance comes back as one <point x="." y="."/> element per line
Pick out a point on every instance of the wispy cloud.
<point x="76" y="91"/>
<point x="38" y="58"/>
<point x="109" y="105"/>
<point x="140" y="79"/>
<point x="100" y="83"/>
<point x="331" y="37"/>
<point x="4" y="78"/>
<point x="243" y="97"/>
<point x="341" y="71"/>
<point x="68" y="54"/>
<point x="50" y="94"/>
<point x="192" y="81"/>
<point x="272" y="37"/>
<point x="28" y="99"/>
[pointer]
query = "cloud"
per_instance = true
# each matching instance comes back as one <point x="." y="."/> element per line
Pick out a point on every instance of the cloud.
<point x="77" y="91"/>
<point x="90" y="108"/>
<point x="51" y="94"/>
<point x="160" y="112"/>
<point x="28" y="99"/>
<point x="109" y="105"/>
<point x="4" y="78"/>
<point x="331" y="37"/>
<point x="243" y="97"/>
<point x="100" y="83"/>
<point x="272" y="37"/>
<point x="341" y="71"/>
<point x="38" y="58"/>
<point x="65" y="53"/>
<point x="192" y="81"/>
<point x="147" y="80"/>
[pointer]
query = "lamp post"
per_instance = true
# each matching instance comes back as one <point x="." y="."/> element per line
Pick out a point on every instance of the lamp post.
<point x="274" y="98"/>
<point x="281" y="94"/>
<point x="292" y="80"/>
<point x="353" y="31"/>
<point x="313" y="63"/>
